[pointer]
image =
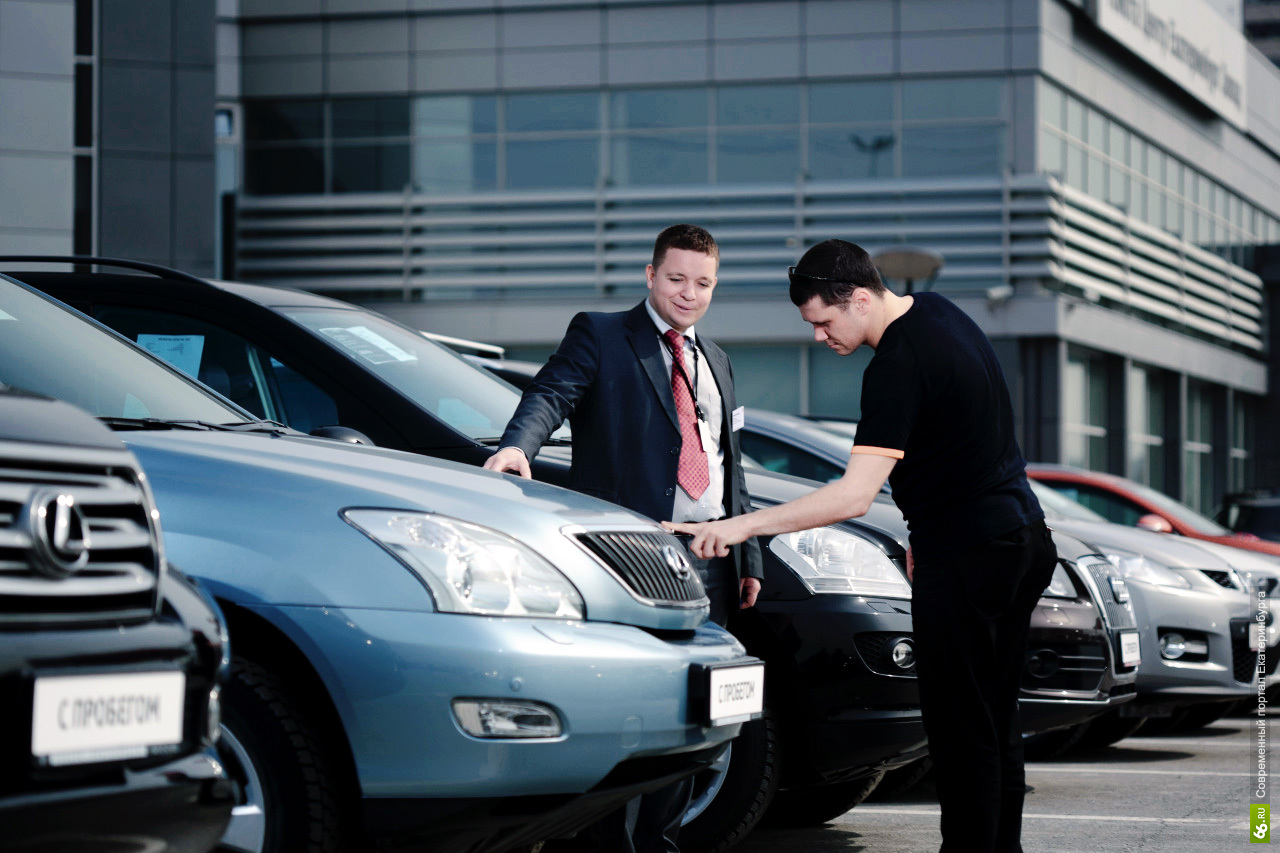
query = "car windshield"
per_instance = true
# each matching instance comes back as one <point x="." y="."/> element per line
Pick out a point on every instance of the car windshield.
<point x="1181" y="512"/>
<point x="472" y="401"/>
<point x="1056" y="504"/>
<point x="46" y="348"/>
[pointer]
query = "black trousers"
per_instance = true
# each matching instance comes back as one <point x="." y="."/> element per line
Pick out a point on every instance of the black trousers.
<point x="971" y="612"/>
<point x="650" y="823"/>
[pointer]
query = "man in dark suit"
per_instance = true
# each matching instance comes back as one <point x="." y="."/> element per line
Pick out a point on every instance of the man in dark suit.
<point x="655" y="429"/>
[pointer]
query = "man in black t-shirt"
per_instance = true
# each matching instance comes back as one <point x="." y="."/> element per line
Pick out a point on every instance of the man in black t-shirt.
<point x="938" y="424"/>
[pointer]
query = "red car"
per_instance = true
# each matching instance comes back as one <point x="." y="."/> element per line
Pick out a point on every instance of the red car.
<point x="1126" y="502"/>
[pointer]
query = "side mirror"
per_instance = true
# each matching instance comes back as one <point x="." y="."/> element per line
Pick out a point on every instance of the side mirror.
<point x="341" y="433"/>
<point x="1155" y="523"/>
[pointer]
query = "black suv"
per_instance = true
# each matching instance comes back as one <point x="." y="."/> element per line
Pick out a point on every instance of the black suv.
<point x="109" y="661"/>
<point x="843" y="706"/>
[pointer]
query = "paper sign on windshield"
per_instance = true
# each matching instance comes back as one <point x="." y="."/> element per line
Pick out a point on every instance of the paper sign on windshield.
<point x="182" y="351"/>
<point x="368" y="344"/>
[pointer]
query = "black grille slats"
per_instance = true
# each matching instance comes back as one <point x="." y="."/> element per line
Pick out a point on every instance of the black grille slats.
<point x="1244" y="660"/>
<point x="119" y="580"/>
<point x="1221" y="577"/>
<point x="638" y="560"/>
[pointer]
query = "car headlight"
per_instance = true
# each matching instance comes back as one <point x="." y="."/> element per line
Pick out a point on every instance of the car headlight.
<point x="1060" y="585"/>
<point x="471" y="569"/>
<point x="831" y="560"/>
<point x="1139" y="568"/>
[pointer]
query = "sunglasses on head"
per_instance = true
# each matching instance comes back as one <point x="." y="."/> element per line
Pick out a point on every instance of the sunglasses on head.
<point x="802" y="276"/>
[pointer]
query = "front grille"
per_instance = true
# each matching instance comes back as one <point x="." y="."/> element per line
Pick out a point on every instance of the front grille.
<point x="876" y="649"/>
<point x="640" y="561"/>
<point x="1068" y="666"/>
<point x="118" y="582"/>
<point x="1123" y="689"/>
<point x="1119" y="615"/>
<point x="1244" y="661"/>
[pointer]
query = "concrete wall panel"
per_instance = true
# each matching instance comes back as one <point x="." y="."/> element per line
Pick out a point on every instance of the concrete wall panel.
<point x="628" y="66"/>
<point x="373" y="74"/>
<point x="136" y="29"/>
<point x="36" y="38"/>
<point x="463" y="71"/>
<point x="840" y="17"/>
<point x="551" y="29"/>
<point x="968" y="52"/>
<point x="844" y="57"/>
<point x="379" y="35"/>
<point x="37" y="114"/>
<point x="456" y="32"/>
<point x="136" y="108"/>
<point x="657" y="24"/>
<point x="535" y="69"/>
<point x="267" y="77"/>
<point x="756" y="60"/>
<point x="37" y="191"/>
<point x="756" y="20"/>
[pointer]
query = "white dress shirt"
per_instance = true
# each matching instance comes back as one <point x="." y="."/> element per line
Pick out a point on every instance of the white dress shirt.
<point x="711" y="505"/>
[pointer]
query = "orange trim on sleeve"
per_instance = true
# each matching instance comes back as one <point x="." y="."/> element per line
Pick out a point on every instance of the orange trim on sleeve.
<point x="877" y="451"/>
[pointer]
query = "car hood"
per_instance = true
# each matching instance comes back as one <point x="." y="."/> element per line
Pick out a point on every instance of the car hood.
<point x="1174" y="551"/>
<point x="259" y="518"/>
<point x="882" y="517"/>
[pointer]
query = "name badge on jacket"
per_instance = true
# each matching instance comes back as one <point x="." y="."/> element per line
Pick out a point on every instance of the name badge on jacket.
<point x="739" y="418"/>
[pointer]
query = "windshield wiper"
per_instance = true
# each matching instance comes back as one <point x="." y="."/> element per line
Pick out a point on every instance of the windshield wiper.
<point x="259" y="425"/>
<point x="151" y="423"/>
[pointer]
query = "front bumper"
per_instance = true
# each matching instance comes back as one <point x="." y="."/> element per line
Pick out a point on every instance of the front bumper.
<point x="843" y="707"/>
<point x="182" y="806"/>
<point x="1229" y="668"/>
<point x="621" y="693"/>
<point x="1072" y="672"/>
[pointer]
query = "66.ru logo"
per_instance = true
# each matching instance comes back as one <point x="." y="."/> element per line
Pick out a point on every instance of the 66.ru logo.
<point x="1259" y="823"/>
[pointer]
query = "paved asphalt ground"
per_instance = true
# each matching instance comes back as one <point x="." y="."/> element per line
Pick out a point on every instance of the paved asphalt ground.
<point x="1180" y="793"/>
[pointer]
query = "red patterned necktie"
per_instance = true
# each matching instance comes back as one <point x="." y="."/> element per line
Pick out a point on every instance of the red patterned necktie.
<point x="692" y="475"/>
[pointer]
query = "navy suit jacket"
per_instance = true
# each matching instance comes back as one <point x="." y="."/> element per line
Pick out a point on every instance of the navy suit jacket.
<point x="609" y="379"/>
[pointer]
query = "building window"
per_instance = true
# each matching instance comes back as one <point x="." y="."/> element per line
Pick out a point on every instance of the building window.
<point x="1098" y="155"/>
<point x="835" y="382"/>
<point x="1242" y="444"/>
<point x="1146" y="424"/>
<point x="1085" y="410"/>
<point x="765" y="377"/>
<point x="1197" y="448"/>
<point x="678" y="135"/>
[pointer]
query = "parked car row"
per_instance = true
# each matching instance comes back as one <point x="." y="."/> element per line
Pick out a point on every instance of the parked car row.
<point x="425" y="653"/>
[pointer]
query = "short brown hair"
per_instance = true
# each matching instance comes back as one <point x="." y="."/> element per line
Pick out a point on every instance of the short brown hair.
<point x="688" y="237"/>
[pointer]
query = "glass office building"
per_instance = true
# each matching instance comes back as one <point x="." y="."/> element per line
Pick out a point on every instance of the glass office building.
<point x="1103" y="187"/>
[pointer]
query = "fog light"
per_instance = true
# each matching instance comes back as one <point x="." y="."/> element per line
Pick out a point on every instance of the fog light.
<point x="213" y="720"/>
<point x="1044" y="663"/>
<point x="504" y="718"/>
<point x="903" y="654"/>
<point x="1172" y="645"/>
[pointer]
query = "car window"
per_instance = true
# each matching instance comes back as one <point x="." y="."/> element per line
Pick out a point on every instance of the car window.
<point x="1110" y="506"/>
<point x="48" y="349"/>
<point x="1183" y="513"/>
<point x="227" y="363"/>
<point x="1056" y="504"/>
<point x="472" y="401"/>
<point x="1260" y="520"/>
<point x="774" y="455"/>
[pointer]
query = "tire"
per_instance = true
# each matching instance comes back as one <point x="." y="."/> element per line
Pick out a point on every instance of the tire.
<point x="726" y="808"/>
<point x="801" y="807"/>
<point x="1199" y="716"/>
<point x="290" y="797"/>
<point x="1111" y="728"/>
<point x="1055" y="743"/>
<point x="899" y="780"/>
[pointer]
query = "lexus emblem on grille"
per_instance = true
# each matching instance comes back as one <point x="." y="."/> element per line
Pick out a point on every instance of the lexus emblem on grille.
<point x="1119" y="590"/>
<point x="59" y="534"/>
<point x="677" y="562"/>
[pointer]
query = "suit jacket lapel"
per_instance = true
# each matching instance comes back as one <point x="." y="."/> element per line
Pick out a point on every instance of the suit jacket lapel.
<point x="643" y="338"/>
<point x="719" y="365"/>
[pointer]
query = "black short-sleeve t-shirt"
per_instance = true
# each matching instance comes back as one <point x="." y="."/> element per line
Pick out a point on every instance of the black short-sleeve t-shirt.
<point x="934" y="397"/>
